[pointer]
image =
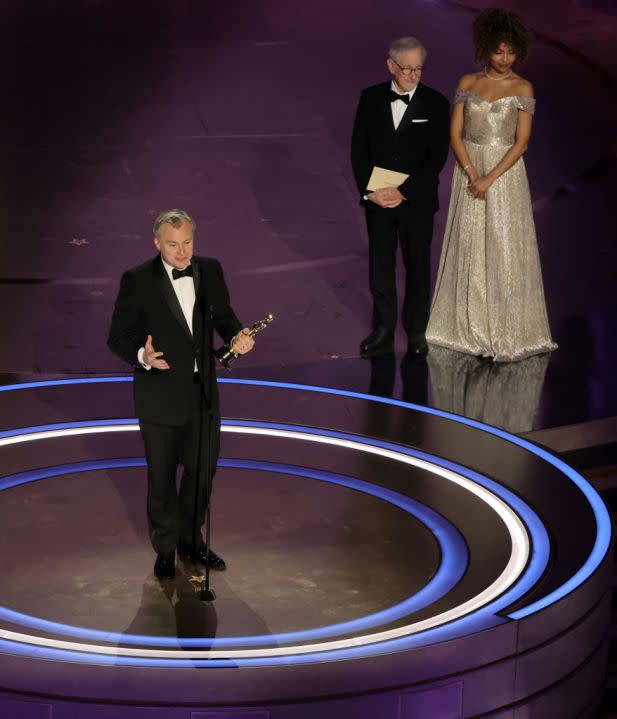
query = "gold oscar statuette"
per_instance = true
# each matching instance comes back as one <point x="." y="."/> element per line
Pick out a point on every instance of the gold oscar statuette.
<point x="226" y="355"/>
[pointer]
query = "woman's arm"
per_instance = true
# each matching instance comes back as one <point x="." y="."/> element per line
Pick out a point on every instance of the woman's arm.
<point x="457" y="122"/>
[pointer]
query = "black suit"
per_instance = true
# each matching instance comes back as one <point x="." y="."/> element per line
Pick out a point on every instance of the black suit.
<point x="173" y="404"/>
<point x="420" y="150"/>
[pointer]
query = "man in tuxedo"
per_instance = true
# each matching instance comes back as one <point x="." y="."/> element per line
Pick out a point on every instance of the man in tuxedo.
<point x="162" y="325"/>
<point x="400" y="125"/>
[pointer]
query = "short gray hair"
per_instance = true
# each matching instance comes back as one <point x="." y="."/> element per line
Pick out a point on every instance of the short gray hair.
<point x="406" y="43"/>
<point x="175" y="218"/>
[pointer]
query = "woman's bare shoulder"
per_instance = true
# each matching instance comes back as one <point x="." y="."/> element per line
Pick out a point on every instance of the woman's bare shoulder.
<point x="522" y="87"/>
<point x="467" y="81"/>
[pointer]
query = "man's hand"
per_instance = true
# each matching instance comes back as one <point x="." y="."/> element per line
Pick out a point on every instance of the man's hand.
<point x="151" y="356"/>
<point x="242" y="342"/>
<point x="388" y="197"/>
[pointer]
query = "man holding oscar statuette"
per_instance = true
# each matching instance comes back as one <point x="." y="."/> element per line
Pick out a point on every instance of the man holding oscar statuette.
<point x="162" y="325"/>
<point x="399" y="146"/>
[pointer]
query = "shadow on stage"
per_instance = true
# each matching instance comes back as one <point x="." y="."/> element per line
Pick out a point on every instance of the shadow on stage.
<point x="174" y="609"/>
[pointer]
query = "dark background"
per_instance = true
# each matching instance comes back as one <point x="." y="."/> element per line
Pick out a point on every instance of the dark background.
<point x="241" y="113"/>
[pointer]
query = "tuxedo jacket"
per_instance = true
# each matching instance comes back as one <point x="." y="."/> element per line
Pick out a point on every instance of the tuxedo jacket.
<point x="147" y="305"/>
<point x="418" y="147"/>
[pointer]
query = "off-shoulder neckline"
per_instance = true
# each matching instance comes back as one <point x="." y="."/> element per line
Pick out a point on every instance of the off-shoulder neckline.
<point x="492" y="102"/>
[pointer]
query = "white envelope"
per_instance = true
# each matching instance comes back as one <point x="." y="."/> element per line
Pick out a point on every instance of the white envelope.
<point x="380" y="177"/>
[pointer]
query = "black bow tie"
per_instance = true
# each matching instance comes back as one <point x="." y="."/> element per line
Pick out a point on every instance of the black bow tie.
<point x="186" y="272"/>
<point x="395" y="96"/>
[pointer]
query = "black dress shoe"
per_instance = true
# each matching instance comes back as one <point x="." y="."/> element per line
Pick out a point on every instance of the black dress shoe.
<point x="379" y="340"/>
<point x="199" y="557"/>
<point x="165" y="566"/>
<point x="416" y="346"/>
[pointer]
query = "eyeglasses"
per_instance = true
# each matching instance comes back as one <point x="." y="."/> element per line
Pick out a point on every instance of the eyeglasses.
<point x="410" y="70"/>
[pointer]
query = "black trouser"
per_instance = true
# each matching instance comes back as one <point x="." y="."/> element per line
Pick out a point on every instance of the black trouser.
<point x="171" y="512"/>
<point x="414" y="374"/>
<point x="413" y="229"/>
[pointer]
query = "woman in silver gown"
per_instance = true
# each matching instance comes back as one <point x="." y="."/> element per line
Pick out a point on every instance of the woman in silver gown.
<point x="489" y="297"/>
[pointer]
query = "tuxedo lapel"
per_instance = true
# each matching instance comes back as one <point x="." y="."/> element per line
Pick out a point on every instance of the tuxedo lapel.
<point x="414" y="109"/>
<point x="384" y="110"/>
<point x="201" y="300"/>
<point x="170" y="296"/>
<point x="196" y="276"/>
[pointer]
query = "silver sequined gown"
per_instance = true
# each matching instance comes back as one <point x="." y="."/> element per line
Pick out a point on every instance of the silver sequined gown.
<point x="489" y="297"/>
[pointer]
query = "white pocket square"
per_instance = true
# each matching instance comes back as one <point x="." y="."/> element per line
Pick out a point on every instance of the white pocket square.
<point x="420" y="120"/>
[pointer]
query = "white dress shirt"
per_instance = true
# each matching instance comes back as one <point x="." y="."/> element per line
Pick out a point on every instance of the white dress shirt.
<point x="185" y="292"/>
<point x="398" y="106"/>
<point x="184" y="287"/>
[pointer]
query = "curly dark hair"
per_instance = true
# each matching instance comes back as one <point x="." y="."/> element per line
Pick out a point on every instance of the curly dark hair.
<point x="496" y="25"/>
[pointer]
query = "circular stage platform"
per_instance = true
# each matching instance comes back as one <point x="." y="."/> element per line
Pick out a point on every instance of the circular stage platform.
<point x="384" y="560"/>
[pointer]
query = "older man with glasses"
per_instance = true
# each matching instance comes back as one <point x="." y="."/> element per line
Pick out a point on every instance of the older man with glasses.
<point x="401" y="125"/>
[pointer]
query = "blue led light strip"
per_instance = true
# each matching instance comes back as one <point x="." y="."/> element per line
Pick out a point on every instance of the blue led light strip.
<point x="472" y="623"/>
<point x="62" y="382"/>
<point x="602" y="517"/>
<point x="540" y="542"/>
<point x="454" y="559"/>
<point x="477" y="620"/>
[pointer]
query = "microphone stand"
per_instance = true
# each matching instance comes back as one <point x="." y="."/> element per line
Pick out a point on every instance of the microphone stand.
<point x="226" y="356"/>
<point x="205" y="593"/>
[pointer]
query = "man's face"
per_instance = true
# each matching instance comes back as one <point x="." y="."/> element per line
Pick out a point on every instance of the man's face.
<point x="411" y="62"/>
<point x="175" y="244"/>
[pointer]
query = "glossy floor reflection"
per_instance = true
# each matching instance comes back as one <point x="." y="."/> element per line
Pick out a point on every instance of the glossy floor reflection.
<point x="504" y="394"/>
<point x="573" y="385"/>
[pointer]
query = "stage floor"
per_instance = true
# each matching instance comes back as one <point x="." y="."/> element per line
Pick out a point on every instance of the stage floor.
<point x="379" y="554"/>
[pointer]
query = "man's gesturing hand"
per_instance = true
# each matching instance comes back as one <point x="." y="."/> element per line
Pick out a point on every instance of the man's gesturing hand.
<point x="151" y="356"/>
<point x="242" y="342"/>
